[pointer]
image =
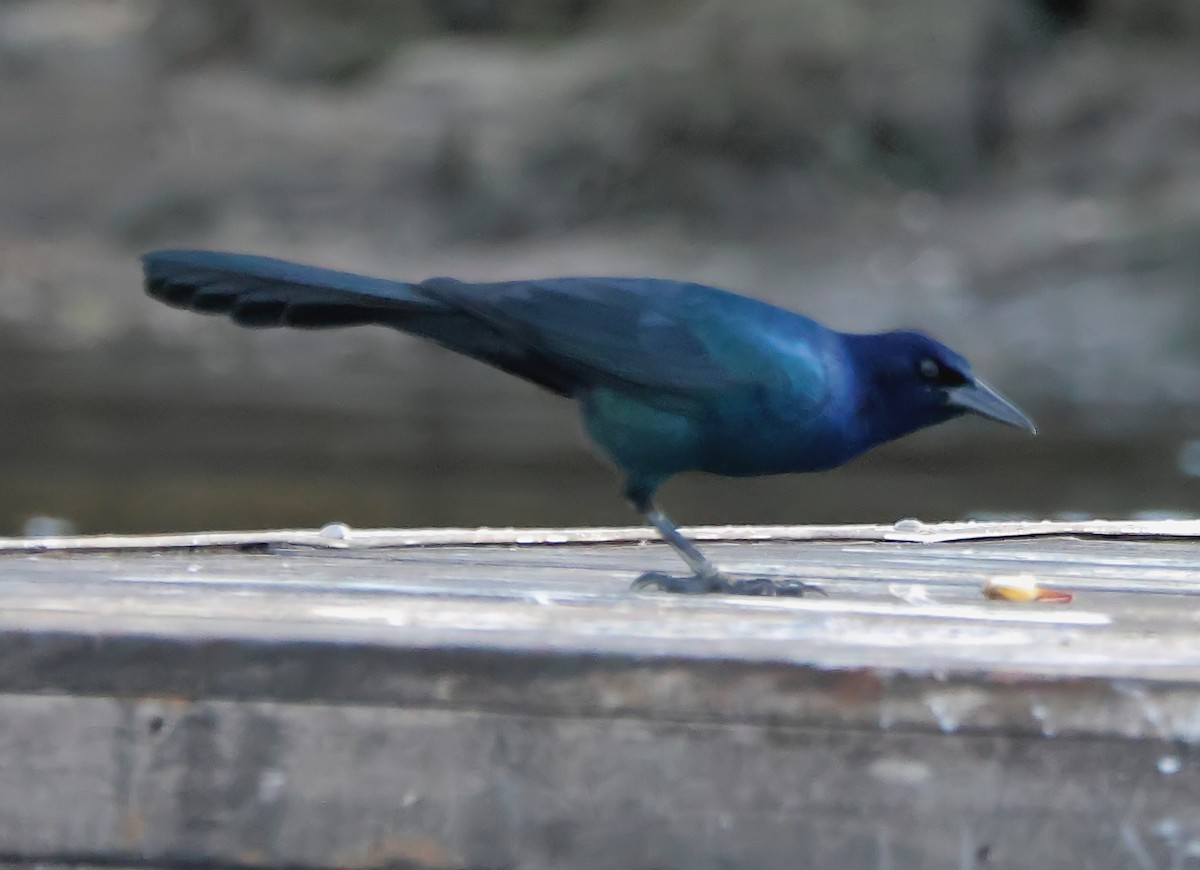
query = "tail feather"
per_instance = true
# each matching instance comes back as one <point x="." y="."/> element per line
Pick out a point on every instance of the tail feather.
<point x="263" y="292"/>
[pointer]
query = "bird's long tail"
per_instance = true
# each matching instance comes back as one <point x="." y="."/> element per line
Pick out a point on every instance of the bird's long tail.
<point x="262" y="292"/>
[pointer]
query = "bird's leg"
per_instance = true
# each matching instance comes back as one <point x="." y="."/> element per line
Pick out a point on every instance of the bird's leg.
<point x="705" y="575"/>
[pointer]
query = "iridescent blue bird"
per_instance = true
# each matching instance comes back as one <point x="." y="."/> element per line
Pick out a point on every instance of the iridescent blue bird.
<point x="669" y="376"/>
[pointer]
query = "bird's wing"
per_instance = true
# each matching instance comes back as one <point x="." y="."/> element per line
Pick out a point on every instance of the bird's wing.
<point x="666" y="337"/>
<point x="643" y="333"/>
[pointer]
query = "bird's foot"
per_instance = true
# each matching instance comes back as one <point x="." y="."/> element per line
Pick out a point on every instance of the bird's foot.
<point x="697" y="584"/>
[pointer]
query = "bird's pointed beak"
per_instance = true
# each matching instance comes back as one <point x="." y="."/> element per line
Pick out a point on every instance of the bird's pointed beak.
<point x="978" y="398"/>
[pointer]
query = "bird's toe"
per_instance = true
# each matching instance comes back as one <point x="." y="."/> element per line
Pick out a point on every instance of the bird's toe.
<point x="657" y="581"/>
<point x="750" y="586"/>
<point x="769" y="586"/>
<point x="798" y="589"/>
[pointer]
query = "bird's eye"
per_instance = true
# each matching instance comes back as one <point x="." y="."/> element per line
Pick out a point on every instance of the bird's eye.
<point x="929" y="369"/>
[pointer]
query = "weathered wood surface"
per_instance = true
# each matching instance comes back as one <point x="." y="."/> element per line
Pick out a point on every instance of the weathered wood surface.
<point x="323" y="700"/>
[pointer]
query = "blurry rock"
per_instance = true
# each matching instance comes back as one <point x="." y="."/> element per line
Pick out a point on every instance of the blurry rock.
<point x="467" y="204"/>
<point x="535" y="16"/>
<point x="184" y="34"/>
<point x="76" y="23"/>
<point x="291" y="40"/>
<point x="31" y="32"/>
<point x="564" y="16"/>
<point x="166" y="215"/>
<point x="470" y="16"/>
<point x="1065" y="14"/>
<point x="1176" y="19"/>
<point x="1171" y="19"/>
<point x="319" y="40"/>
<point x="750" y="108"/>
<point x="1105" y="115"/>
<point x="340" y="40"/>
<point x="732" y="116"/>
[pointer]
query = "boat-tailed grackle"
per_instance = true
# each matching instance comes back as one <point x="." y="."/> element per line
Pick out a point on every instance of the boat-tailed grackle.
<point x="669" y="376"/>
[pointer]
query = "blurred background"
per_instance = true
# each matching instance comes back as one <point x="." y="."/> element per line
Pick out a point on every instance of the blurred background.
<point x="1020" y="178"/>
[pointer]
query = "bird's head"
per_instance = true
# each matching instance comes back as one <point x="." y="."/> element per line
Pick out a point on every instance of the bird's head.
<point x="909" y="381"/>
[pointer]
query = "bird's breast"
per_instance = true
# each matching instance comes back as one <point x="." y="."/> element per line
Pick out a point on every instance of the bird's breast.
<point x="769" y="437"/>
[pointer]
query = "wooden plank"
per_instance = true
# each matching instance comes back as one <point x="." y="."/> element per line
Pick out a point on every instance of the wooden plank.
<point x="262" y="785"/>
<point x="406" y="699"/>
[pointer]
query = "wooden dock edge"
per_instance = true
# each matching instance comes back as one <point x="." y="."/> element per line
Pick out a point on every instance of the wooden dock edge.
<point x="339" y="535"/>
<point x="190" y="743"/>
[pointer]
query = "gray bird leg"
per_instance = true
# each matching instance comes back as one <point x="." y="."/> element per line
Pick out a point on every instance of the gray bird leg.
<point x="687" y="551"/>
<point x="705" y="575"/>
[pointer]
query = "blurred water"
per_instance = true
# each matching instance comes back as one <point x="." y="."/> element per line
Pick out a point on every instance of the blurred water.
<point x="155" y="466"/>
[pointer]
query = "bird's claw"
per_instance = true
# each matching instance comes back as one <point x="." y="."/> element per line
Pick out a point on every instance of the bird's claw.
<point x="657" y="581"/>
<point x="798" y="589"/>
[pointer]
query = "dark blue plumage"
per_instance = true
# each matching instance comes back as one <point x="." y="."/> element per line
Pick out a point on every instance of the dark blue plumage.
<point x="669" y="376"/>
